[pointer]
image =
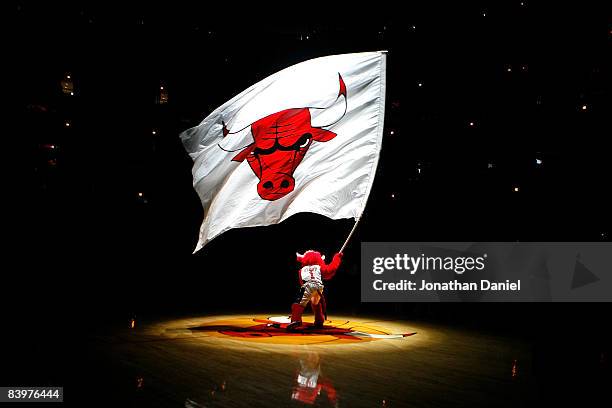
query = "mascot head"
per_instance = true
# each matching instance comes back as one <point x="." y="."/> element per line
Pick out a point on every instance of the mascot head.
<point x="310" y="257"/>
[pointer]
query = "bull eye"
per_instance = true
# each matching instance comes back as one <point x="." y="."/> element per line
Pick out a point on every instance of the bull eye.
<point x="304" y="140"/>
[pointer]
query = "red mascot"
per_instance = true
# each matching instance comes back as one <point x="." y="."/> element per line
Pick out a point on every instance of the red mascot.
<point x="311" y="275"/>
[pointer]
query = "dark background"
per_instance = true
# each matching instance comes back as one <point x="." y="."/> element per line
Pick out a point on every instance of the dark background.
<point x="502" y="85"/>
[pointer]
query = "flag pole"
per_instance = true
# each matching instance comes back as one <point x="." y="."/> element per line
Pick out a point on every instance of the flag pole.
<point x="350" y="235"/>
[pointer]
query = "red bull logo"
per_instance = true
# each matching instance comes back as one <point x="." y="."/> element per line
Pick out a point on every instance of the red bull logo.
<point x="280" y="141"/>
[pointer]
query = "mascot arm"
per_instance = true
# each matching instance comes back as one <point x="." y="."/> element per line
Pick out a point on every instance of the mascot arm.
<point x="328" y="271"/>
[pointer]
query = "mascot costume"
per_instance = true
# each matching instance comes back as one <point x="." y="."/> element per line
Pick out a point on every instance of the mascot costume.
<point x="311" y="275"/>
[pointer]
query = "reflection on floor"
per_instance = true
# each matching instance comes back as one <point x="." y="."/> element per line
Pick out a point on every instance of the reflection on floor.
<point x="250" y="361"/>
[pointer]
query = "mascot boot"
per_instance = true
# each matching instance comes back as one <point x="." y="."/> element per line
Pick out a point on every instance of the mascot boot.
<point x="296" y="316"/>
<point x="319" y="314"/>
<point x="323" y="303"/>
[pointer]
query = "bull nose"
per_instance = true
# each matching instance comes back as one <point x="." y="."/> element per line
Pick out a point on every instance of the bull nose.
<point x="284" y="184"/>
<point x="275" y="186"/>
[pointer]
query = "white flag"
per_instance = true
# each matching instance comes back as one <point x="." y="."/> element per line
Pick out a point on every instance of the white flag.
<point x="306" y="139"/>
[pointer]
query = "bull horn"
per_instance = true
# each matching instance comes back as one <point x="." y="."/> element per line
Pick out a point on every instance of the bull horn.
<point x="300" y="257"/>
<point x="330" y="115"/>
<point x="236" y="143"/>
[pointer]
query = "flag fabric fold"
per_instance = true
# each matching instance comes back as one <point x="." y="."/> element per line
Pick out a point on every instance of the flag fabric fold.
<point x="305" y="139"/>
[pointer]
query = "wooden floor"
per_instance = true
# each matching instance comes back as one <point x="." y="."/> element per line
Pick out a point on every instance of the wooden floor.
<point x="211" y="362"/>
